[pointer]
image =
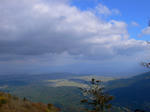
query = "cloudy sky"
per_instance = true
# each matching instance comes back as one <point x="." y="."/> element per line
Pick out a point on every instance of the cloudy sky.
<point x="78" y="36"/>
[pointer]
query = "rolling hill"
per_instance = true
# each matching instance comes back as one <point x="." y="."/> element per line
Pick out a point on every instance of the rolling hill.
<point x="133" y="92"/>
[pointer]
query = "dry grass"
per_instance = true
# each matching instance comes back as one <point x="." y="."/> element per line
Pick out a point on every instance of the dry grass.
<point x="9" y="103"/>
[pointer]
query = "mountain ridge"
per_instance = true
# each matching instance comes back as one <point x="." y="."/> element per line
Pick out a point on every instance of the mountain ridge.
<point x="133" y="92"/>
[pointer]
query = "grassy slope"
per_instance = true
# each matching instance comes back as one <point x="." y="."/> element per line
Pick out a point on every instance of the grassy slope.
<point x="9" y="103"/>
<point x="66" y="98"/>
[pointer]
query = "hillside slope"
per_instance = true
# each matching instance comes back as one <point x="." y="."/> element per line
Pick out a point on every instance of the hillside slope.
<point x="9" y="103"/>
<point x="132" y="92"/>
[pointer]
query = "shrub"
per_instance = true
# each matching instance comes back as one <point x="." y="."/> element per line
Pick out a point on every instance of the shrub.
<point x="3" y="100"/>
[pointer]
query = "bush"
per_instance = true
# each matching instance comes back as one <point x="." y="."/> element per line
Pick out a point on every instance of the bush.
<point x="3" y="100"/>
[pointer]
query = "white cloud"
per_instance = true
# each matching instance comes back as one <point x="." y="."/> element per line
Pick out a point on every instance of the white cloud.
<point x="133" y="23"/>
<point x="145" y="31"/>
<point x="40" y="30"/>
<point x="103" y="10"/>
<point x="116" y="11"/>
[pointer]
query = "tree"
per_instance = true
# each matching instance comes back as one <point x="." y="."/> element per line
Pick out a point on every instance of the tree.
<point x="95" y="99"/>
<point x="137" y="110"/>
<point x="146" y="64"/>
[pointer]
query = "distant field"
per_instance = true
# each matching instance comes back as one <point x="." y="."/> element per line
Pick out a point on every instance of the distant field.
<point x="59" y="89"/>
<point x="81" y="81"/>
<point x="102" y="78"/>
<point x="63" y="89"/>
<point x="63" y="82"/>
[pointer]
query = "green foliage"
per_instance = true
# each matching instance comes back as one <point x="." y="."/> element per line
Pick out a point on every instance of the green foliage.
<point x="96" y="100"/>
<point x="147" y="65"/>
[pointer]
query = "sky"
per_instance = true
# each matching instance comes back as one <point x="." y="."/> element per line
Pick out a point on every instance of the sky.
<point x="103" y="37"/>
